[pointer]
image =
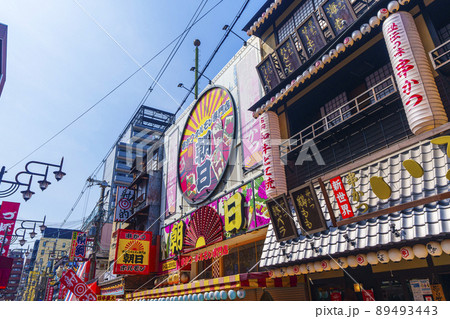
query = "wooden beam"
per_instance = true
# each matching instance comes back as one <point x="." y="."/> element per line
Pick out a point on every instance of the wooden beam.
<point x="327" y="201"/>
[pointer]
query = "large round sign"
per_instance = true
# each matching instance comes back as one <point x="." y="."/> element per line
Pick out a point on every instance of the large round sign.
<point x="206" y="144"/>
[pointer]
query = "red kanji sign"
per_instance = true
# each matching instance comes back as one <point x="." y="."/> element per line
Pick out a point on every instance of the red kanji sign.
<point x="8" y="216"/>
<point x="77" y="286"/>
<point x="341" y="197"/>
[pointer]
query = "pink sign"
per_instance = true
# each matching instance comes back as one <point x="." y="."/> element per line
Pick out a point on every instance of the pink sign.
<point x="8" y="216"/>
<point x="171" y="189"/>
<point x="77" y="286"/>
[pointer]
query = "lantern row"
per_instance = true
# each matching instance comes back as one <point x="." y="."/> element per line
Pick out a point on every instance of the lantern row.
<point x="207" y="296"/>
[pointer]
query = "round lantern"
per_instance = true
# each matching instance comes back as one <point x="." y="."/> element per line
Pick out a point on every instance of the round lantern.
<point x="296" y="269"/>
<point x="374" y="22"/>
<point x="299" y="78"/>
<point x="372" y="258"/>
<point x="306" y="75"/>
<point x="290" y="271"/>
<point x="383" y="14"/>
<point x="348" y="42"/>
<point x="434" y="248"/>
<point x="288" y="86"/>
<point x="241" y="293"/>
<point x="393" y="6"/>
<point x="319" y="65"/>
<point x="271" y="273"/>
<point x="277" y="95"/>
<point x="170" y="279"/>
<point x="180" y="298"/>
<point x="326" y="59"/>
<point x="383" y="256"/>
<point x="407" y="253"/>
<point x="194" y="297"/>
<point x="278" y="273"/>
<point x="340" y="48"/>
<point x="318" y="266"/>
<point x="365" y="29"/>
<point x="310" y="267"/>
<point x="206" y="296"/>
<point x="185" y="298"/>
<point x="189" y="297"/>
<point x="333" y="53"/>
<point x="395" y="255"/>
<point x="283" y="271"/>
<point x="361" y="259"/>
<point x="293" y="82"/>
<point x="445" y="245"/>
<point x="211" y="296"/>
<point x="403" y="2"/>
<point x="356" y="35"/>
<point x="334" y="265"/>
<point x="312" y="69"/>
<point x="200" y="297"/>
<point x="352" y="261"/>
<point x="303" y="269"/>
<point x="326" y="265"/>
<point x="223" y="295"/>
<point x="217" y="295"/>
<point x="342" y="261"/>
<point x="232" y="294"/>
<point x="420" y="251"/>
<point x="282" y="91"/>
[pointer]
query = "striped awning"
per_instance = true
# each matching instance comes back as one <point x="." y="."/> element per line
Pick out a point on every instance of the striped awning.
<point x="243" y="281"/>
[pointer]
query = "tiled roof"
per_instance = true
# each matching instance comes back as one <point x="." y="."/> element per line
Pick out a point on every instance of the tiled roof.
<point x="413" y="224"/>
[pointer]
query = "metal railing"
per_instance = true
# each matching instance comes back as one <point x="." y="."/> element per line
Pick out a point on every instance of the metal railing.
<point x="372" y="96"/>
<point x="440" y="56"/>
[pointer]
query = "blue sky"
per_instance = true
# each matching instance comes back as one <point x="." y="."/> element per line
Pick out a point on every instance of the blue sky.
<point x="59" y="63"/>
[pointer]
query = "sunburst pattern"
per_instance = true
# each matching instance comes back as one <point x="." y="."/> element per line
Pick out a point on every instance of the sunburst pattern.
<point x="134" y="246"/>
<point x="205" y="223"/>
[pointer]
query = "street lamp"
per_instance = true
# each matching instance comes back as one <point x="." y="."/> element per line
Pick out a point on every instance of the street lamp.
<point x="181" y="85"/>
<point x="227" y="27"/>
<point x="33" y="233"/>
<point x="43" y="184"/>
<point x="193" y="69"/>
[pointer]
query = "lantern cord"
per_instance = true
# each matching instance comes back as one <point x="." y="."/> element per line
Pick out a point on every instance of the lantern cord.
<point x="310" y="236"/>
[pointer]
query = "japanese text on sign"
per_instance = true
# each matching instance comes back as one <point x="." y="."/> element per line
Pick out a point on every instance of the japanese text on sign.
<point x="341" y="197"/>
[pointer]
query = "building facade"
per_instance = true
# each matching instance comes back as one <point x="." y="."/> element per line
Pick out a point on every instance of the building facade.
<point x="3" y="41"/>
<point x="10" y="292"/>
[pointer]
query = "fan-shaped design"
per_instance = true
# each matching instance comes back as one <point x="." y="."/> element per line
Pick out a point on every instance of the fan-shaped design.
<point x="204" y="228"/>
<point x="134" y="245"/>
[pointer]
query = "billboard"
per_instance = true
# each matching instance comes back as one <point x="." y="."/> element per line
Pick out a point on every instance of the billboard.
<point x="8" y="216"/>
<point x="132" y="252"/>
<point x="78" y="246"/>
<point x="171" y="188"/>
<point x="124" y="204"/>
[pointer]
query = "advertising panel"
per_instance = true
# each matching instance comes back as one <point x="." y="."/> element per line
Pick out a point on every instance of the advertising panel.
<point x="8" y="216"/>
<point x="171" y="188"/>
<point x="78" y="246"/>
<point x="132" y="252"/>
<point x="124" y="204"/>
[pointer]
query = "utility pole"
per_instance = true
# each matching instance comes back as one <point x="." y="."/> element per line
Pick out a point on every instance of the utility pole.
<point x="98" y="226"/>
<point x="197" y="44"/>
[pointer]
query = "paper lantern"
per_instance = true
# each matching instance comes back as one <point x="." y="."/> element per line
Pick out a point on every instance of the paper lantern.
<point x="445" y="245"/>
<point x="326" y="59"/>
<point x="176" y="278"/>
<point x="194" y="297"/>
<point x="342" y="261"/>
<point x="241" y="293"/>
<point x="340" y="48"/>
<point x="217" y="295"/>
<point x="189" y="297"/>
<point x="310" y="267"/>
<point x="185" y="298"/>
<point x="383" y="14"/>
<point x="223" y="295"/>
<point x="200" y="297"/>
<point x="326" y="265"/>
<point x="383" y="256"/>
<point x="296" y="269"/>
<point x="277" y="273"/>
<point x="417" y="88"/>
<point x="361" y="259"/>
<point x="434" y="248"/>
<point x="306" y="74"/>
<point x="206" y="296"/>
<point x="395" y="255"/>
<point x="290" y="271"/>
<point x="333" y="53"/>
<point x="352" y="261"/>
<point x="271" y="273"/>
<point x="303" y="269"/>
<point x="420" y="251"/>
<point x="372" y="258"/>
<point x="211" y="296"/>
<point x="356" y="35"/>
<point x="348" y="42"/>
<point x="318" y="266"/>
<point x="334" y="265"/>
<point x="312" y="69"/>
<point x="284" y="271"/>
<point x="319" y="65"/>
<point x="403" y="2"/>
<point x="365" y="29"/>
<point x="407" y="253"/>
<point x="393" y="6"/>
<point x="180" y="298"/>
<point x="231" y="294"/>
<point x="374" y="22"/>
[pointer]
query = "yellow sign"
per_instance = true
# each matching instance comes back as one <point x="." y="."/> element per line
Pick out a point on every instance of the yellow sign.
<point x="234" y="213"/>
<point x="177" y="238"/>
<point x="106" y="298"/>
<point x="169" y="265"/>
<point x="438" y="293"/>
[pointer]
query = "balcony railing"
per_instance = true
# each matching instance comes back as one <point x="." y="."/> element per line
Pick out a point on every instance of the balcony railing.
<point x="440" y="57"/>
<point x="372" y="96"/>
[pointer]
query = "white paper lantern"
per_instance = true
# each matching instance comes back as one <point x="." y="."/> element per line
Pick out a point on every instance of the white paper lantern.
<point x="312" y="69"/>
<point x="241" y="293"/>
<point x="333" y="53"/>
<point x="403" y="2"/>
<point x="383" y="256"/>
<point x="296" y="269"/>
<point x="365" y="29"/>
<point x="356" y="35"/>
<point x="326" y="265"/>
<point x="200" y="297"/>
<point x="206" y="296"/>
<point x="445" y="245"/>
<point x="374" y="22"/>
<point x="348" y="42"/>
<point x="434" y="248"/>
<point x="383" y="14"/>
<point x="223" y="295"/>
<point x="232" y="294"/>
<point x="393" y="6"/>
<point x="282" y="91"/>
<point x="352" y="261"/>
<point x="372" y="258"/>
<point x="407" y="253"/>
<point x="334" y="265"/>
<point x="361" y="259"/>
<point x="283" y="271"/>
<point x="420" y="251"/>
<point x="194" y="297"/>
<point x="310" y="267"/>
<point x="306" y="74"/>
<point x="290" y="271"/>
<point x="340" y="48"/>
<point x="395" y="255"/>
<point x="318" y="266"/>
<point x="326" y="59"/>
<point x="342" y="261"/>
<point x="303" y="269"/>
<point x="277" y="273"/>
<point x="217" y="295"/>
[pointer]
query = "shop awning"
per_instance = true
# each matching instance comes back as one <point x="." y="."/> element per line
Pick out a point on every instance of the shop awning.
<point x="241" y="281"/>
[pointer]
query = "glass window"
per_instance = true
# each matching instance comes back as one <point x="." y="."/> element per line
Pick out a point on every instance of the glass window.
<point x="204" y="269"/>
<point x="231" y="263"/>
<point x="64" y="245"/>
<point x="44" y="243"/>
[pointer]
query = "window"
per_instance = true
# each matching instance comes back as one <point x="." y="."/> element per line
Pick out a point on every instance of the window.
<point x="44" y="243"/>
<point x="64" y="245"/>
<point x="330" y="110"/>
<point x="242" y="259"/>
<point x="378" y="76"/>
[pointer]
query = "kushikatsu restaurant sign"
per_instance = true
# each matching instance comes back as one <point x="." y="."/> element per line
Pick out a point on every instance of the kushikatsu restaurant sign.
<point x="205" y="145"/>
<point x="132" y="252"/>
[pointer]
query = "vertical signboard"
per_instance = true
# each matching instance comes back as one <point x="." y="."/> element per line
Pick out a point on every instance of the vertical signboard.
<point x="132" y="252"/>
<point x="171" y="186"/>
<point x="311" y="36"/>
<point x="206" y="144"/>
<point x="341" y="197"/>
<point x="124" y="203"/>
<point x="281" y="218"/>
<point x="339" y="14"/>
<point x="78" y="246"/>
<point x="288" y="56"/>
<point x="8" y="216"/>
<point x="249" y="93"/>
<point x="268" y="74"/>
